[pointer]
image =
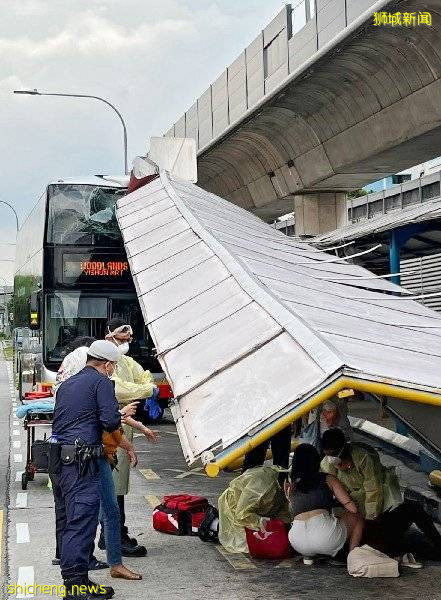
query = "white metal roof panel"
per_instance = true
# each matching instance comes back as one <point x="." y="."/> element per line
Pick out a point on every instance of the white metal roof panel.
<point x="193" y="361"/>
<point x="249" y="324"/>
<point x="198" y="314"/>
<point x="245" y="395"/>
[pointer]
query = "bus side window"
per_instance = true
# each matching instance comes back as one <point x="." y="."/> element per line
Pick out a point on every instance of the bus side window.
<point x="34" y="310"/>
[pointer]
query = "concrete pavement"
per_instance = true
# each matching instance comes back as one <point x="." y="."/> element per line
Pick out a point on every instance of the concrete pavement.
<point x="176" y="567"/>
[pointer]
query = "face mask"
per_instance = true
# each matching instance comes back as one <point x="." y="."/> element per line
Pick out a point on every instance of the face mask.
<point x="123" y="348"/>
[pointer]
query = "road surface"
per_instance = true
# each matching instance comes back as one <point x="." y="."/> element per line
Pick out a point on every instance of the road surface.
<point x="181" y="568"/>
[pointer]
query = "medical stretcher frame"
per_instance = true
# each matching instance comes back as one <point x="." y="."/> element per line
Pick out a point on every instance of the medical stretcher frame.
<point x="31" y="422"/>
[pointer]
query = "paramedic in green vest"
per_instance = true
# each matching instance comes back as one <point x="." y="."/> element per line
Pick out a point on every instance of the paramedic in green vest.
<point x="376" y="492"/>
<point x="131" y="383"/>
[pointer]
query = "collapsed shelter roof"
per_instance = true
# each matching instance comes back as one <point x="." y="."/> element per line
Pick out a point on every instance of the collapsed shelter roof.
<point x="253" y="328"/>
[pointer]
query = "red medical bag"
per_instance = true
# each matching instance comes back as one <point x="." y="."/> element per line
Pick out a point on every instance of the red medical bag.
<point x="271" y="544"/>
<point x="180" y="514"/>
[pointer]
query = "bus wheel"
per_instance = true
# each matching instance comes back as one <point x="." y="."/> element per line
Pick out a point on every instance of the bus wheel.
<point x="24" y="481"/>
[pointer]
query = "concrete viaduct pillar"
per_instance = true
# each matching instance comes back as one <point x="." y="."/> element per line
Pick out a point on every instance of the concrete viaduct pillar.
<point x="320" y="212"/>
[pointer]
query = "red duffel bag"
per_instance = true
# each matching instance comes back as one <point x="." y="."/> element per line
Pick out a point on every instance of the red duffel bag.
<point x="180" y="514"/>
<point x="271" y="544"/>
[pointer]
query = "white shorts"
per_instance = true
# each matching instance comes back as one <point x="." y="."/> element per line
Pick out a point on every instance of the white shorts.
<point x="322" y="534"/>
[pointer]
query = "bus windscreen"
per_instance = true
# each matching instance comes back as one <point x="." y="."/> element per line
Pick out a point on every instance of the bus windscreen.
<point x="82" y="215"/>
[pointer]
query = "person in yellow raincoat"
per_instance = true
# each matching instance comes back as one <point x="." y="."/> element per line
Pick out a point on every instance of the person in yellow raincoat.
<point x="132" y="383"/>
<point x="247" y="502"/>
<point x="375" y="490"/>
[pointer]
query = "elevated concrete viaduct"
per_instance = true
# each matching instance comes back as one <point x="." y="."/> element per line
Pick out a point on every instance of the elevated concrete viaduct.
<point x="339" y="103"/>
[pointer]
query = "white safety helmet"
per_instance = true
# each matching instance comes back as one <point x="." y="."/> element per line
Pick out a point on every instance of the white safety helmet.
<point x="104" y="350"/>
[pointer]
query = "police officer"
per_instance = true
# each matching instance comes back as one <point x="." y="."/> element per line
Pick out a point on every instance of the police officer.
<point x="85" y="406"/>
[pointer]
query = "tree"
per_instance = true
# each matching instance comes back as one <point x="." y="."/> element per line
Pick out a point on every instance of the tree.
<point x="358" y="193"/>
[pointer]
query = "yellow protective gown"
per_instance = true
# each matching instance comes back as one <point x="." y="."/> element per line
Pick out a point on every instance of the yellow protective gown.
<point x="131" y="383"/>
<point x="251" y="496"/>
<point x="373" y="487"/>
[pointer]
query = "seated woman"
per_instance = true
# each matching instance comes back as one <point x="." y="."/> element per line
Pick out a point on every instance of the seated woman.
<point x="311" y="496"/>
<point x="246" y="502"/>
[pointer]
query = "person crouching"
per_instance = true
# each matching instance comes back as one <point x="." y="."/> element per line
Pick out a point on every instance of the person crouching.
<point x="311" y="495"/>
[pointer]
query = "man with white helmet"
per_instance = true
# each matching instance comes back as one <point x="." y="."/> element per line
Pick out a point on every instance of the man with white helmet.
<point x="85" y="407"/>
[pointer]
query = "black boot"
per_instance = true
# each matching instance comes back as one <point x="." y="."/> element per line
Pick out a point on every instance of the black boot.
<point x="77" y="587"/>
<point x="100" y="591"/>
<point x="126" y="540"/>
<point x="127" y="549"/>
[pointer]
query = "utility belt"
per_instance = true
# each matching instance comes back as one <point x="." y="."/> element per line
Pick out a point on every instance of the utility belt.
<point x="80" y="453"/>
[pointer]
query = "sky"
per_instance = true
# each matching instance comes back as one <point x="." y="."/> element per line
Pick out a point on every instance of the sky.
<point x="151" y="58"/>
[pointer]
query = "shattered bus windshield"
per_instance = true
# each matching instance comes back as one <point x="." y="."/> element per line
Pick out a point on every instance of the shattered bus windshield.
<point x="82" y="214"/>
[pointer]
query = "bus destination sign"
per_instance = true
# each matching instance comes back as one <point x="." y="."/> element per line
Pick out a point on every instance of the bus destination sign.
<point x="92" y="268"/>
<point x="101" y="268"/>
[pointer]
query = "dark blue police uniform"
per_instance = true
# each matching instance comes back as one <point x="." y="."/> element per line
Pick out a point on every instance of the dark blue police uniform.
<point x="85" y="406"/>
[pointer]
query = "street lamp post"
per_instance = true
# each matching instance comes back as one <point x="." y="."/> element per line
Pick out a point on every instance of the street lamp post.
<point x="5" y="303"/>
<point x="37" y="93"/>
<point x="13" y="210"/>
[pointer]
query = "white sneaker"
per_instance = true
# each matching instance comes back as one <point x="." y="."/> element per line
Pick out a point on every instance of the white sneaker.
<point x="308" y="561"/>
<point x="408" y="561"/>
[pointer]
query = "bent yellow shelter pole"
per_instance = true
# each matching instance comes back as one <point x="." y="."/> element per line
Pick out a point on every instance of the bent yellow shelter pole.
<point x="378" y="388"/>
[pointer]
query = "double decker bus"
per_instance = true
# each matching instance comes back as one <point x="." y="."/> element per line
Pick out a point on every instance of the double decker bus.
<point x="71" y="276"/>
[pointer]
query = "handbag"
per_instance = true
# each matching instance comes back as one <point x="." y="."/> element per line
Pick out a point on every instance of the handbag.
<point x="368" y="562"/>
<point x="110" y="442"/>
<point x="270" y="544"/>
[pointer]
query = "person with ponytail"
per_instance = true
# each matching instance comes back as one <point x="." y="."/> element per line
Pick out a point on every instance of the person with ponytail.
<point x="312" y="494"/>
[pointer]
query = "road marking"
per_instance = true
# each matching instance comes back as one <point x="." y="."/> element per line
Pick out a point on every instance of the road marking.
<point x="183" y="474"/>
<point x="16" y="432"/>
<point x="16" y="444"/>
<point x="1" y="540"/>
<point x="153" y="500"/>
<point x="170" y="432"/>
<point x="25" y="578"/>
<point x="22" y="500"/>
<point x="18" y="458"/>
<point x="22" y="530"/>
<point x="18" y="475"/>
<point x="16" y="422"/>
<point x="149" y="474"/>
<point x="238" y="561"/>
